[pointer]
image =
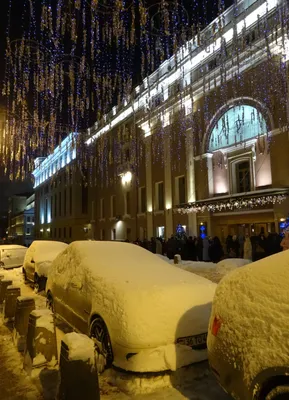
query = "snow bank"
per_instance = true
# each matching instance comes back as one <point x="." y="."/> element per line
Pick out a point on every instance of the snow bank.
<point x="80" y="347"/>
<point x="229" y="264"/>
<point x="253" y="305"/>
<point x="164" y="358"/>
<point x="145" y="302"/>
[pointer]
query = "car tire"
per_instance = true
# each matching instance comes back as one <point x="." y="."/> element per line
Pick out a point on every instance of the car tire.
<point x="279" y="393"/>
<point x="99" y="333"/>
<point x="39" y="284"/>
<point x="49" y="302"/>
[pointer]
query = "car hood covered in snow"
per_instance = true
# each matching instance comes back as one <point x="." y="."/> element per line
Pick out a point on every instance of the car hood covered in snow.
<point x="144" y="301"/>
<point x="253" y="304"/>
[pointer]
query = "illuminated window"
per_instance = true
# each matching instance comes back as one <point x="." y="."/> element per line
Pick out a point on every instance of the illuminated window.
<point x="238" y="124"/>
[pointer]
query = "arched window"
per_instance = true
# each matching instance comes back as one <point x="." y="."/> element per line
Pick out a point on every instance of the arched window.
<point x="236" y="125"/>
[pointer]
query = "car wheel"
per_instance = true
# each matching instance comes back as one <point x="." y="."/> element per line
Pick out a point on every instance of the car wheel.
<point x="99" y="333"/>
<point x="279" y="393"/>
<point x="49" y="302"/>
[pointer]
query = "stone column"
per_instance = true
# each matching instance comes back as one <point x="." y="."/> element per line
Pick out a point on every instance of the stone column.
<point x="209" y="157"/>
<point x="191" y="182"/>
<point x="168" y="187"/>
<point x="149" y="190"/>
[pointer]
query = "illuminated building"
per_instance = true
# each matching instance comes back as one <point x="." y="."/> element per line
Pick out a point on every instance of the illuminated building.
<point x="21" y="219"/>
<point x="197" y="150"/>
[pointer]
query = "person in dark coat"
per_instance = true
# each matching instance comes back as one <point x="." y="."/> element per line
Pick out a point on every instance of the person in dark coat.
<point x="216" y="250"/>
<point x="171" y="247"/>
<point x="234" y="247"/>
<point x="190" y="249"/>
<point x="153" y="245"/>
<point x="199" y="248"/>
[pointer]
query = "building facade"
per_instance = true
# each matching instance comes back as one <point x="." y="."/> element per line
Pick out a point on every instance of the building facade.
<point x="202" y="144"/>
<point x="21" y="219"/>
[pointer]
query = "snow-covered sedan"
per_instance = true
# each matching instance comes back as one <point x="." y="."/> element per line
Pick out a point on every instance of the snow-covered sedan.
<point x="144" y="314"/>
<point x="38" y="260"/>
<point x="248" y="340"/>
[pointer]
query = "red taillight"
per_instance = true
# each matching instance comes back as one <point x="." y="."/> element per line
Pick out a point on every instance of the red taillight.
<point x="216" y="326"/>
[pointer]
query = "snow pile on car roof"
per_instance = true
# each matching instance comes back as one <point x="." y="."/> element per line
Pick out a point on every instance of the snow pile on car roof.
<point x="45" y="250"/>
<point x="253" y="303"/>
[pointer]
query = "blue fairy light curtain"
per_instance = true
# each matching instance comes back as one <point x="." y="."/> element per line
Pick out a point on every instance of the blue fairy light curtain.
<point x="73" y="63"/>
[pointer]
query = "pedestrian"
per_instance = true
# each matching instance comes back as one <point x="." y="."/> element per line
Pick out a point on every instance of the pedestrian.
<point x="153" y="245"/>
<point x="206" y="245"/>
<point x="247" y="248"/>
<point x="216" y="250"/>
<point x="199" y="248"/>
<point x="159" y="246"/>
<point x="234" y="247"/>
<point x="190" y="249"/>
<point x="285" y="241"/>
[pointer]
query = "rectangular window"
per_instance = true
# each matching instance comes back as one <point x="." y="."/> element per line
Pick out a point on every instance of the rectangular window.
<point x="243" y="177"/>
<point x="55" y="233"/>
<point x="64" y="205"/>
<point x="113" y="206"/>
<point x="70" y="232"/>
<point x="101" y="213"/>
<point x="64" y="232"/>
<point x="59" y="204"/>
<point x="127" y="203"/>
<point x="161" y="231"/>
<point x="59" y="233"/>
<point x="70" y="201"/>
<point x="159" y="195"/>
<point x="28" y="219"/>
<point x="180" y="190"/>
<point x="142" y="201"/>
<point x="28" y="231"/>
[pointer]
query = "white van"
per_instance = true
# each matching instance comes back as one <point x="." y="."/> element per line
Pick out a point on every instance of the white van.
<point x="12" y="255"/>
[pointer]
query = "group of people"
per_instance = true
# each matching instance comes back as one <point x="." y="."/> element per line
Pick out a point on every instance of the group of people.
<point x="210" y="248"/>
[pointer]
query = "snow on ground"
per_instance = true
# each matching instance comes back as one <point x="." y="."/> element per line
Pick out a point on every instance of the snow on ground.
<point x="209" y="270"/>
<point x="194" y="382"/>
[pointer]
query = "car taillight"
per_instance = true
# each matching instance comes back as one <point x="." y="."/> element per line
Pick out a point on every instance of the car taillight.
<point x="216" y="326"/>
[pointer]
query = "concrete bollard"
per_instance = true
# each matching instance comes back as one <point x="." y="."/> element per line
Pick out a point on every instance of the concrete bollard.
<point x="41" y="345"/>
<point x="78" y="372"/>
<point x="177" y="259"/>
<point x="24" y="306"/>
<point x="4" y="283"/>
<point x="12" y="293"/>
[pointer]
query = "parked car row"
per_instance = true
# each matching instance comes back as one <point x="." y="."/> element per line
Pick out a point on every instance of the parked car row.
<point x="147" y="315"/>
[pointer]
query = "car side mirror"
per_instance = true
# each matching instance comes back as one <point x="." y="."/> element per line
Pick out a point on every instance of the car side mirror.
<point x="75" y="283"/>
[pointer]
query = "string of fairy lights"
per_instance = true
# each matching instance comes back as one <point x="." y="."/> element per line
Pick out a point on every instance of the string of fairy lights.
<point x="71" y="62"/>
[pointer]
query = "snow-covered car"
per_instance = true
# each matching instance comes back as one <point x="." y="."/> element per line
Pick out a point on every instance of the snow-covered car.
<point x="12" y="255"/>
<point x="144" y="314"/>
<point x="38" y="260"/>
<point x="248" y="339"/>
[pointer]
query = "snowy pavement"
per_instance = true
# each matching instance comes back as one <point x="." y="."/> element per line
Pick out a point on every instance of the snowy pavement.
<point x="195" y="382"/>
